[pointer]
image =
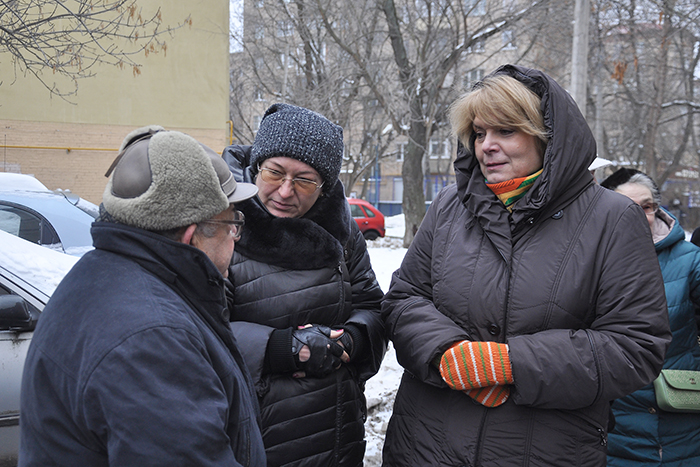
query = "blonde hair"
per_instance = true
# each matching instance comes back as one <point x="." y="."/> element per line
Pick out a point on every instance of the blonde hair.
<point x="500" y="101"/>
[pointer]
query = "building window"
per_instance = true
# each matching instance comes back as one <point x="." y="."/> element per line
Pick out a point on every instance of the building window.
<point x="256" y="122"/>
<point x="421" y="8"/>
<point x="472" y="77"/>
<point x="508" y="39"/>
<point x="397" y="194"/>
<point x="401" y="150"/>
<point x="438" y="148"/>
<point x="259" y="32"/>
<point x="285" y="28"/>
<point x="477" y="47"/>
<point x="475" y="7"/>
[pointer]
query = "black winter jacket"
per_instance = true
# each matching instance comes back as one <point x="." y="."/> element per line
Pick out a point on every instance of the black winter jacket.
<point x="288" y="272"/>
<point x="569" y="280"/>
<point x="133" y="363"/>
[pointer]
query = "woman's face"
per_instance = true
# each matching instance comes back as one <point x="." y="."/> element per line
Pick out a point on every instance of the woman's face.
<point x="643" y="197"/>
<point x="504" y="153"/>
<point x="285" y="200"/>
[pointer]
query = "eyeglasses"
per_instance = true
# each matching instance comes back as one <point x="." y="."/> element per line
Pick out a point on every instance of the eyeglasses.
<point x="650" y="208"/>
<point x="235" y="226"/>
<point x="302" y="185"/>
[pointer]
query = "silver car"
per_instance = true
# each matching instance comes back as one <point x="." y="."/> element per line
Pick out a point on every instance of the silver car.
<point x="29" y="274"/>
<point x="57" y="219"/>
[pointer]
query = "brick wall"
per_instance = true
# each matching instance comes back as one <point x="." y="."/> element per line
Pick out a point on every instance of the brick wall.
<point x="80" y="154"/>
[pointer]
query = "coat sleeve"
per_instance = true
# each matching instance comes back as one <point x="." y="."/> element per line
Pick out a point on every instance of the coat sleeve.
<point x="624" y="347"/>
<point x="419" y="331"/>
<point x="366" y="304"/>
<point x="252" y="339"/>
<point x="156" y="400"/>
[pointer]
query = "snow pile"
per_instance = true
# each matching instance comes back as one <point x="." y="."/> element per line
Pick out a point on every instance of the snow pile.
<point x="41" y="267"/>
<point x="386" y="255"/>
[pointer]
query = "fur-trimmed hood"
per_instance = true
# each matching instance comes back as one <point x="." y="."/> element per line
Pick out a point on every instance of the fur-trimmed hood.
<point x="313" y="241"/>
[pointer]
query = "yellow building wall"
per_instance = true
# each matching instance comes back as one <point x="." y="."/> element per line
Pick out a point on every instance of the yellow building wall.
<point x="69" y="144"/>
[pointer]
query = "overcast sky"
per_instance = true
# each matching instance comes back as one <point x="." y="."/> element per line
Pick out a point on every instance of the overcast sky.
<point x="236" y="17"/>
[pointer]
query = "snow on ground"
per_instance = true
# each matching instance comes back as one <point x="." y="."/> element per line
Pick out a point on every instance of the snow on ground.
<point x="386" y="255"/>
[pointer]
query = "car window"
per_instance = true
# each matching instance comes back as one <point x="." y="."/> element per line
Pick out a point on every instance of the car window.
<point x="20" y="223"/>
<point x="26" y="225"/>
<point x="356" y="211"/>
<point x="369" y="213"/>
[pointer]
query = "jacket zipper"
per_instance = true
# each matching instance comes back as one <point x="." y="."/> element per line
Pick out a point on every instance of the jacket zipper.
<point x="601" y="431"/>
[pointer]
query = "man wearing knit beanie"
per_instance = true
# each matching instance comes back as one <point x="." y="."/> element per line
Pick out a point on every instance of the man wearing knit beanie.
<point x="136" y="337"/>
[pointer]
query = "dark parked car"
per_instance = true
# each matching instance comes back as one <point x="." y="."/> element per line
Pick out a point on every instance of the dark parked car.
<point x="29" y="274"/>
<point x="58" y="219"/>
<point x="368" y="218"/>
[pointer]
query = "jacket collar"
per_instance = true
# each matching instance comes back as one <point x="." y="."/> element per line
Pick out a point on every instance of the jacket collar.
<point x="313" y="241"/>
<point x="182" y="267"/>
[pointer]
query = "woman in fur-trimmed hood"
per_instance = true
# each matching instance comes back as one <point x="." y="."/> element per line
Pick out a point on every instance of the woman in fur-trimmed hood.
<point x="304" y="301"/>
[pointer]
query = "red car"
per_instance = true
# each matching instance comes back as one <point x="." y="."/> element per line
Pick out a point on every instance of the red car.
<point x="368" y="218"/>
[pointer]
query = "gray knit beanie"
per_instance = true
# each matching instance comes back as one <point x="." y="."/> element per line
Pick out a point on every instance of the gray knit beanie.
<point x="291" y="131"/>
<point x="163" y="180"/>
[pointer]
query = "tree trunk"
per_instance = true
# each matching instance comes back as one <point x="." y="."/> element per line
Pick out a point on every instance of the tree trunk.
<point x="412" y="172"/>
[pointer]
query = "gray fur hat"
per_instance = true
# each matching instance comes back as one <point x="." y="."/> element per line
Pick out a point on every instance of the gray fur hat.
<point x="291" y="131"/>
<point x="163" y="180"/>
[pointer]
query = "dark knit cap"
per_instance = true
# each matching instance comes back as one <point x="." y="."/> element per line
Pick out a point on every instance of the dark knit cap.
<point x="291" y="131"/>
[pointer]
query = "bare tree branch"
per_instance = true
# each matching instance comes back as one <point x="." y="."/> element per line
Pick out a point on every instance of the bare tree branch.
<point x="68" y="38"/>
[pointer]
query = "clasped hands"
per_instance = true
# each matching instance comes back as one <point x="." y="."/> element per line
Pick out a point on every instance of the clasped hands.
<point x="319" y="350"/>
<point x="481" y="369"/>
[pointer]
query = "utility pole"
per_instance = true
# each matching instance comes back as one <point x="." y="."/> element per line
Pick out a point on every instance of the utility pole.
<point x="579" y="59"/>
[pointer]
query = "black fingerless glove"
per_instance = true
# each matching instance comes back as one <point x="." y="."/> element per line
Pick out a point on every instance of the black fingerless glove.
<point x="353" y="341"/>
<point x="325" y="352"/>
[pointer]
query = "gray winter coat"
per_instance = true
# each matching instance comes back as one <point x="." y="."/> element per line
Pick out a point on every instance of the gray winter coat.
<point x="569" y="280"/>
<point x="288" y="273"/>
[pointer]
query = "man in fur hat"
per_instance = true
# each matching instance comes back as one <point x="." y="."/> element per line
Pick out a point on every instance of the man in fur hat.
<point x="133" y="361"/>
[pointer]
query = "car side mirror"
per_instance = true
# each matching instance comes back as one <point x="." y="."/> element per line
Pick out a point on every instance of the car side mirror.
<point x="15" y="314"/>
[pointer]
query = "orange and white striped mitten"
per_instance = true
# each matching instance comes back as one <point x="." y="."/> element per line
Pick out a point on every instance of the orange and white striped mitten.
<point x="490" y="396"/>
<point x="470" y="366"/>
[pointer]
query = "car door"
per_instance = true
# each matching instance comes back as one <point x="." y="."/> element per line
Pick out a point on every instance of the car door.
<point x="20" y="306"/>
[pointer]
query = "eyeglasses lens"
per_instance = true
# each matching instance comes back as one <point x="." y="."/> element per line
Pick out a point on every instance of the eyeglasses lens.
<point x="274" y="177"/>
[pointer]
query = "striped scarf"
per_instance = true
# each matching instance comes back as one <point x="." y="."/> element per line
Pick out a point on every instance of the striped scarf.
<point x="512" y="190"/>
